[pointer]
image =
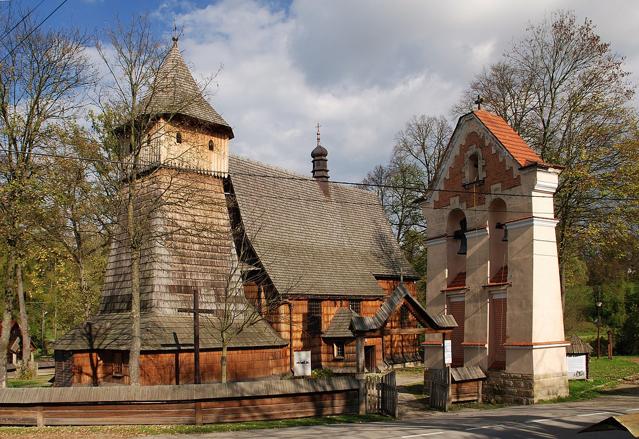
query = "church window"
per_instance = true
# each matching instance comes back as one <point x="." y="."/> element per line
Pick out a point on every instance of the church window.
<point x="178" y="137"/>
<point x="356" y="305"/>
<point x="211" y="145"/>
<point x="338" y="350"/>
<point x="117" y="364"/>
<point x="314" y="316"/>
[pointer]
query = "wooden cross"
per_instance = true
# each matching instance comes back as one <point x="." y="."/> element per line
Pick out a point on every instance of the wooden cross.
<point x="177" y="345"/>
<point x="318" y="134"/>
<point x="196" y="311"/>
<point x="479" y="101"/>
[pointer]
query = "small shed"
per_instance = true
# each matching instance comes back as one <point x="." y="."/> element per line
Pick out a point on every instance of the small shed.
<point x="577" y="358"/>
<point x="466" y="383"/>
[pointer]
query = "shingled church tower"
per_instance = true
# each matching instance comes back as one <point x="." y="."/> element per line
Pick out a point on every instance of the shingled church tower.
<point x="188" y="245"/>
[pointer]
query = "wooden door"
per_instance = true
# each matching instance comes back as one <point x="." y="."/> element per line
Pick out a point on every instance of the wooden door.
<point x="369" y="359"/>
<point x="497" y="332"/>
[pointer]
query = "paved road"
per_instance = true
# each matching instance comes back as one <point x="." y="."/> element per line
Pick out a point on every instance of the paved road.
<point x="540" y="421"/>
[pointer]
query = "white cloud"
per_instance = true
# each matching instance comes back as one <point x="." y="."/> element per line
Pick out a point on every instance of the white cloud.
<point x="361" y="67"/>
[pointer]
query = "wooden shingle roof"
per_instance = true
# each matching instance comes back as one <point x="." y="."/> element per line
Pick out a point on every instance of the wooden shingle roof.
<point x="159" y="332"/>
<point x="340" y="326"/>
<point x="467" y="373"/>
<point x="578" y="346"/>
<point x="345" y="323"/>
<point x="315" y="239"/>
<point x="175" y="92"/>
<point x="399" y="296"/>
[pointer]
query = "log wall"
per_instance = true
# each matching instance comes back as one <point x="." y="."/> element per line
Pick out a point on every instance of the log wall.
<point x="160" y="367"/>
<point x="397" y="349"/>
<point x="187" y="404"/>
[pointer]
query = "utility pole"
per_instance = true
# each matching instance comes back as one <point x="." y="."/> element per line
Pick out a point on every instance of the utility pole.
<point x="599" y="303"/>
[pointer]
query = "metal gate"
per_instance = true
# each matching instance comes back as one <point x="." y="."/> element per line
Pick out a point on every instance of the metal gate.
<point x="381" y="394"/>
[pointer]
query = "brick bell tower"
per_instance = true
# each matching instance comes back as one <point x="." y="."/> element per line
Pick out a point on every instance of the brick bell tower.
<point x="492" y="261"/>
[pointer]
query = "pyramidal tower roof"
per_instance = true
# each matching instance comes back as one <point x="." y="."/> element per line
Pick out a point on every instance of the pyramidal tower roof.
<point x="175" y="92"/>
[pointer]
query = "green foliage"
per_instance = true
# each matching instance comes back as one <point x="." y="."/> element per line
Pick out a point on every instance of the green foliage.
<point x="579" y="301"/>
<point x="321" y="373"/>
<point x="628" y="339"/>
<point x="34" y="381"/>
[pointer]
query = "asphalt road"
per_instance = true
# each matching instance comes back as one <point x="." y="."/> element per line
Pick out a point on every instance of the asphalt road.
<point x="563" y="420"/>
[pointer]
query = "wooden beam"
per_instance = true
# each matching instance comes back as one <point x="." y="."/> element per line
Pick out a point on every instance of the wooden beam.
<point x="406" y="331"/>
<point x="359" y="354"/>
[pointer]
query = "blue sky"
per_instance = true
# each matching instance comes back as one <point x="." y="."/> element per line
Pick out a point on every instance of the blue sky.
<point x="361" y="68"/>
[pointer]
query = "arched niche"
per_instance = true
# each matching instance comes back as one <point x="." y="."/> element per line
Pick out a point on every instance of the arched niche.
<point x="474" y="167"/>
<point x="456" y="248"/>
<point x="498" y="256"/>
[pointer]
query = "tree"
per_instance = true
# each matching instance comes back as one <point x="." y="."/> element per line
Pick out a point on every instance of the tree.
<point x="422" y="143"/>
<point x="565" y="91"/>
<point x="79" y="221"/>
<point x="417" y="155"/>
<point x="42" y="74"/>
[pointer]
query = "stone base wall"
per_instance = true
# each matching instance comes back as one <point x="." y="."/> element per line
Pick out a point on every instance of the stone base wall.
<point x="517" y="388"/>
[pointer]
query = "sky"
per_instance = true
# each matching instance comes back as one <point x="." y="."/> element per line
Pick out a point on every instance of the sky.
<point x="360" y="68"/>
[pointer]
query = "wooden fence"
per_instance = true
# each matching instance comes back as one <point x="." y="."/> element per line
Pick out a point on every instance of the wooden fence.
<point x="185" y="404"/>
<point x="439" y="388"/>
<point x="382" y="394"/>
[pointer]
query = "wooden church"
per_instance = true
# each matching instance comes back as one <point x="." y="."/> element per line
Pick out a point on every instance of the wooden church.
<point x="492" y="261"/>
<point x="285" y="266"/>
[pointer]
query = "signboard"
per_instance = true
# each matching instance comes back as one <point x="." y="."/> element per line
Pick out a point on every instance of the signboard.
<point x="448" y="351"/>
<point x="302" y="363"/>
<point x="576" y="367"/>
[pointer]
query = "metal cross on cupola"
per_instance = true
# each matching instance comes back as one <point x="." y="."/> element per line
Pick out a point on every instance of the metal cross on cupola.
<point x="479" y="101"/>
<point x="461" y="236"/>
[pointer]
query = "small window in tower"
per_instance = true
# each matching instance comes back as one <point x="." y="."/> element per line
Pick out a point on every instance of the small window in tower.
<point x="178" y="137"/>
<point x="117" y="364"/>
<point x="211" y="145"/>
<point x="148" y="139"/>
<point x="338" y="350"/>
<point x="356" y="306"/>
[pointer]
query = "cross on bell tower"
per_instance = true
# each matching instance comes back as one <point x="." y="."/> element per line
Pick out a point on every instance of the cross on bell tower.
<point x="479" y="101"/>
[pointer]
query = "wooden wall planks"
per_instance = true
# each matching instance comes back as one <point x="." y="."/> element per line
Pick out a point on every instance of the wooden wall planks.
<point x="301" y="398"/>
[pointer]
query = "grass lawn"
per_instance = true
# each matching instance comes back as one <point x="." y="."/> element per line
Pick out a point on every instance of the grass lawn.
<point x="38" y="381"/>
<point x="126" y="431"/>
<point x="411" y="371"/>
<point x="604" y="375"/>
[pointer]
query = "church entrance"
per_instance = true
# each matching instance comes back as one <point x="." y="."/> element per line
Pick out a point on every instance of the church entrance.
<point x="369" y="359"/>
